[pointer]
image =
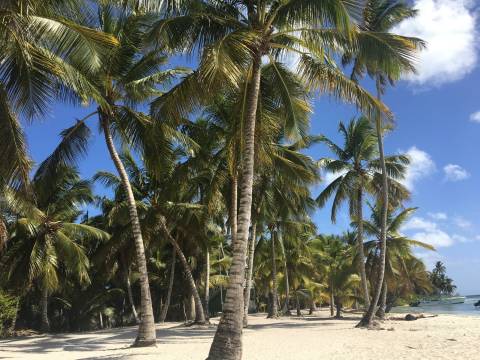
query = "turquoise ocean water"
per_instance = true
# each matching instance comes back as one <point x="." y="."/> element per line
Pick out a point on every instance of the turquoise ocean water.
<point x="466" y="308"/>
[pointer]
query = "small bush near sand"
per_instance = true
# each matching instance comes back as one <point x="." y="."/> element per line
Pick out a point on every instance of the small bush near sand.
<point x="8" y="312"/>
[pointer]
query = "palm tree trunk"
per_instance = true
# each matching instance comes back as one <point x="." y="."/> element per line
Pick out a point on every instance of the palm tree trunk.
<point x="163" y="314"/>
<point x="274" y="311"/>
<point x="100" y="319"/>
<point x="338" y="305"/>
<point x="286" y="305"/>
<point x="44" y="307"/>
<point x="297" y="304"/>
<point x="199" y="314"/>
<point x="130" y="295"/>
<point x="207" y="283"/>
<point x="3" y="234"/>
<point x="383" y="301"/>
<point x="233" y="207"/>
<point x="146" y="331"/>
<point x="248" y="286"/>
<point x="332" y="301"/>
<point x="191" y="308"/>
<point x="361" y="254"/>
<point x="227" y="343"/>
<point x="368" y="316"/>
<point x="313" y="306"/>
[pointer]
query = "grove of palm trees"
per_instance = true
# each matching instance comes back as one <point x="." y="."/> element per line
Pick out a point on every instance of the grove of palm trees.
<point x="205" y="109"/>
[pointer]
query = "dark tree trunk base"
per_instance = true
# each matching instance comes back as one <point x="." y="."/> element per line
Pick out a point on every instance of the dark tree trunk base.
<point x="143" y="343"/>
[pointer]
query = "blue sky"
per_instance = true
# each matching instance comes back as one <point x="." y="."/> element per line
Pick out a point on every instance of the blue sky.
<point x="437" y="124"/>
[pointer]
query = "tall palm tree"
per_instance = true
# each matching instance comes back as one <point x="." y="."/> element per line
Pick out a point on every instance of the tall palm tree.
<point x="381" y="16"/>
<point x="132" y="75"/>
<point x="46" y="242"/>
<point x="399" y="248"/>
<point x="357" y="166"/>
<point x="231" y="38"/>
<point x="48" y="53"/>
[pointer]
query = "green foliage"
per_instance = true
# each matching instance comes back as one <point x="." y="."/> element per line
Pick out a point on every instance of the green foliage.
<point x="8" y="312"/>
<point x="442" y="284"/>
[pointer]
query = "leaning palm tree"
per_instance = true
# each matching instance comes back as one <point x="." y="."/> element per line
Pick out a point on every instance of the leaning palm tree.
<point x="399" y="248"/>
<point x="48" y="53"/>
<point x="46" y="242"/>
<point x="357" y="166"/>
<point x="231" y="38"/>
<point x="132" y="75"/>
<point x="381" y="16"/>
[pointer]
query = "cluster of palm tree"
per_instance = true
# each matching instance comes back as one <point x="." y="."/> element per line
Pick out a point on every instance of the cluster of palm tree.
<point x="212" y="184"/>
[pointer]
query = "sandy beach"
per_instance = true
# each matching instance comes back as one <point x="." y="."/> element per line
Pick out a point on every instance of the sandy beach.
<point x="310" y="337"/>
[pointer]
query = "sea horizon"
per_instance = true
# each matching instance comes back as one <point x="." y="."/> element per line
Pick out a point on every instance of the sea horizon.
<point x="466" y="308"/>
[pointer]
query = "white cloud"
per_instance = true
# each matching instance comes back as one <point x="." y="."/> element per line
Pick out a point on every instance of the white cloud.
<point x="418" y="223"/>
<point x="462" y="222"/>
<point x="455" y="172"/>
<point x="438" y="216"/>
<point x="436" y="238"/>
<point x="460" y="238"/>
<point x="430" y="258"/>
<point x="448" y="27"/>
<point x="428" y="232"/>
<point x="421" y="166"/>
<point x="475" y="117"/>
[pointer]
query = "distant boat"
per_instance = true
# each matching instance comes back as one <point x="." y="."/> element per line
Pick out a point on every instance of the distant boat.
<point x="440" y="301"/>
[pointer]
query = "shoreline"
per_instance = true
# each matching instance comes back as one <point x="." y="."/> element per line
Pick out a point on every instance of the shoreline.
<point x="308" y="337"/>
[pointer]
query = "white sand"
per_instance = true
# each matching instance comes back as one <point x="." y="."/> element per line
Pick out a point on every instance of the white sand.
<point x="311" y="337"/>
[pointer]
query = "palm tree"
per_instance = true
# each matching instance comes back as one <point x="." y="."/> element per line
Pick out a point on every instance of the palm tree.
<point x="232" y="37"/>
<point x="397" y="252"/>
<point x="45" y="241"/>
<point x="357" y="164"/>
<point x="48" y="53"/>
<point x="381" y="16"/>
<point x="155" y="207"/>
<point x="336" y="258"/>
<point x="130" y="77"/>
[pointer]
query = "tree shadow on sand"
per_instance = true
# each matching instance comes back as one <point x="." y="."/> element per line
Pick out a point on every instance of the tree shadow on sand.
<point x="115" y="339"/>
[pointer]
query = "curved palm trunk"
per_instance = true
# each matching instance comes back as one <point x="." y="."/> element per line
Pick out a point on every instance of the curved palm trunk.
<point x="163" y="314"/>
<point x="361" y="253"/>
<point x="227" y="343"/>
<point x="207" y="283"/>
<point x="274" y="310"/>
<point x="368" y="317"/>
<point x="146" y="331"/>
<point x="248" y="286"/>
<point x="199" y="314"/>
<point x="130" y="295"/>
<point x="45" y="326"/>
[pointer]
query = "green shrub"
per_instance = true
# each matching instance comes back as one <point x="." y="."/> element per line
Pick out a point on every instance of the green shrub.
<point x="8" y="312"/>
